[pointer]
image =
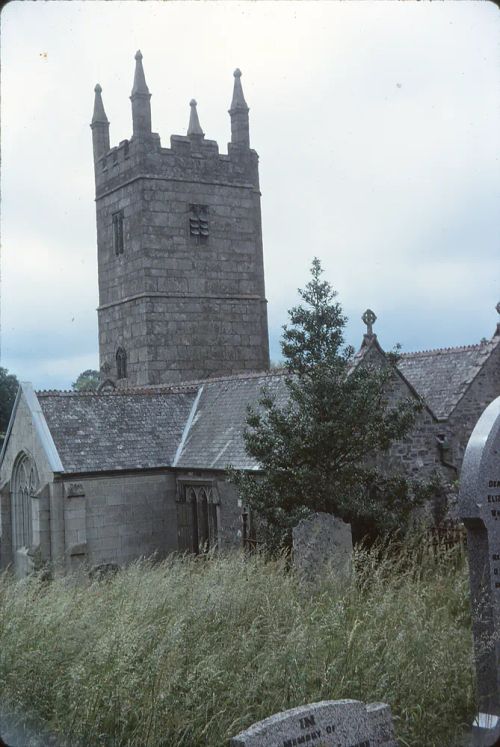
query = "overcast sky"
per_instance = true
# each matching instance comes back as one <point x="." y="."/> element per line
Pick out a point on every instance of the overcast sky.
<point x="377" y="126"/>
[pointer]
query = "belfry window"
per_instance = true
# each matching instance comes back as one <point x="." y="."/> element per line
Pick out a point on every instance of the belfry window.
<point x="121" y="364"/>
<point x="25" y="485"/>
<point x="197" y="522"/>
<point x="198" y="222"/>
<point x="118" y="232"/>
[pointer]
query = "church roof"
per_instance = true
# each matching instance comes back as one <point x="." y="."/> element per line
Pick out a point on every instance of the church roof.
<point x="113" y="431"/>
<point x="442" y="376"/>
<point x="200" y="424"/>
<point x="214" y="438"/>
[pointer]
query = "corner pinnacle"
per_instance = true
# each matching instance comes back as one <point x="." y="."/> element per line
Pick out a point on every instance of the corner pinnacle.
<point x="194" y="127"/>
<point x="139" y="86"/>
<point x="238" y="101"/>
<point x="99" y="115"/>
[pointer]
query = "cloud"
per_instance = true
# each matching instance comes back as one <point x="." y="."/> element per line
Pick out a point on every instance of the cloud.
<point x="377" y="125"/>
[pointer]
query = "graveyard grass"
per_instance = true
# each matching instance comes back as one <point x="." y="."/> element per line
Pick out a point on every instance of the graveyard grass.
<point x="190" y="652"/>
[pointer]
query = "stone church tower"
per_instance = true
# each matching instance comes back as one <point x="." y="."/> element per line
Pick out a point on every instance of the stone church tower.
<point x="179" y="240"/>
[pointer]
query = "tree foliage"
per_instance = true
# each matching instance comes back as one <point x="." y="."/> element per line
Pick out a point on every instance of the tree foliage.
<point x="8" y="390"/>
<point x="87" y="381"/>
<point x="320" y="451"/>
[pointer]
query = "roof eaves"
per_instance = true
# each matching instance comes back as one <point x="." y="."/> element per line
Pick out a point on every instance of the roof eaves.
<point x="489" y="348"/>
<point x="11" y="423"/>
<point x="42" y="428"/>
<point x="371" y="341"/>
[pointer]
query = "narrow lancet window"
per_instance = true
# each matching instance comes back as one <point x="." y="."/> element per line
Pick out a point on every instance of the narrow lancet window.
<point x="121" y="364"/>
<point x="118" y="232"/>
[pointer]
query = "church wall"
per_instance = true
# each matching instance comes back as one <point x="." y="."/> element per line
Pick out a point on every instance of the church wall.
<point x="483" y="390"/>
<point x="24" y="438"/>
<point x="5" y="527"/>
<point x="231" y="516"/>
<point x="416" y="455"/>
<point x="225" y="495"/>
<point x="117" y="519"/>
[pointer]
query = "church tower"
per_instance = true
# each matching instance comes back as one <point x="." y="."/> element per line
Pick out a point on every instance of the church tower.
<point x="179" y="241"/>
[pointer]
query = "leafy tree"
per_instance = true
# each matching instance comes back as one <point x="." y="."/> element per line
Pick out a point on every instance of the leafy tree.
<point x="8" y="390"/>
<point x="320" y="451"/>
<point x="87" y="381"/>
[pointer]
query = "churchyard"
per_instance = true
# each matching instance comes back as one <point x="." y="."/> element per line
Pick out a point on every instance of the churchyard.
<point x="192" y="652"/>
<point x="331" y="646"/>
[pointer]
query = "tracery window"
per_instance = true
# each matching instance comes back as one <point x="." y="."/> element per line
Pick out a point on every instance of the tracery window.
<point x="25" y="485"/>
<point x="197" y="521"/>
<point x="121" y="364"/>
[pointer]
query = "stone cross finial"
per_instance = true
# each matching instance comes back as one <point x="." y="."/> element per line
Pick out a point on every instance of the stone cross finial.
<point x="369" y="318"/>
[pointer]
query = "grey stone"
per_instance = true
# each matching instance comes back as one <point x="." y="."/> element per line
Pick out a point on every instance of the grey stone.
<point x="329" y="723"/>
<point x="320" y="542"/>
<point x="479" y="508"/>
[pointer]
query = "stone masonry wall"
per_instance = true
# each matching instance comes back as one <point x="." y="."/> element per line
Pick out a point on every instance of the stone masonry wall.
<point x="181" y="306"/>
<point x="416" y="454"/>
<point x="117" y="519"/>
<point x="24" y="438"/>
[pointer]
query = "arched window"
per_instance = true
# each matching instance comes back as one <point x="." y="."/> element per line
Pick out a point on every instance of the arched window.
<point x="25" y="485"/>
<point x="197" y="525"/>
<point x="121" y="364"/>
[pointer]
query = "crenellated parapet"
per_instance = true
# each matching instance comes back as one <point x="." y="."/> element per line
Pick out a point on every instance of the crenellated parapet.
<point x="189" y="156"/>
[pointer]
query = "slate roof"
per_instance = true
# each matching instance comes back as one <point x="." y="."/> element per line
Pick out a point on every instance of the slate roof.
<point x="442" y="376"/>
<point x="199" y="425"/>
<point x="99" y="432"/>
<point x="215" y="437"/>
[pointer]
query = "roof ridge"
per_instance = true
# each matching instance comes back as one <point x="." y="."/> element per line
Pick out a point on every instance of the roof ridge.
<point x="454" y="349"/>
<point x="232" y="377"/>
<point x="159" y="388"/>
<point x="152" y="389"/>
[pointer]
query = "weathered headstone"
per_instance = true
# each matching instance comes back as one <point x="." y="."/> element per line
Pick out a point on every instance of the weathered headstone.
<point x="330" y="723"/>
<point x="479" y="507"/>
<point x="321" y="541"/>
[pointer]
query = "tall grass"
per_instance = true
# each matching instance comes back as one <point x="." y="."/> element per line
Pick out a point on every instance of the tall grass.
<point x="192" y="651"/>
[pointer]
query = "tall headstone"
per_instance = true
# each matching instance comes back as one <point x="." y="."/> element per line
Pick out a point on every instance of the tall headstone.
<point x="479" y="506"/>
<point x="330" y="723"/>
<point x="319" y="542"/>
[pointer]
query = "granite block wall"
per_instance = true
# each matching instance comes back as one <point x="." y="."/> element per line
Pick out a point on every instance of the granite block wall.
<point x="117" y="519"/>
<point x="483" y="390"/>
<point x="183" y="306"/>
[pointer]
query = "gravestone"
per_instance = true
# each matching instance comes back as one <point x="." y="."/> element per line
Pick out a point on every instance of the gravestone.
<point x="322" y="541"/>
<point x="330" y="723"/>
<point x="479" y="507"/>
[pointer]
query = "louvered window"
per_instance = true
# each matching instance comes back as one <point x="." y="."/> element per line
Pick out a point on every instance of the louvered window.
<point x="198" y="222"/>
